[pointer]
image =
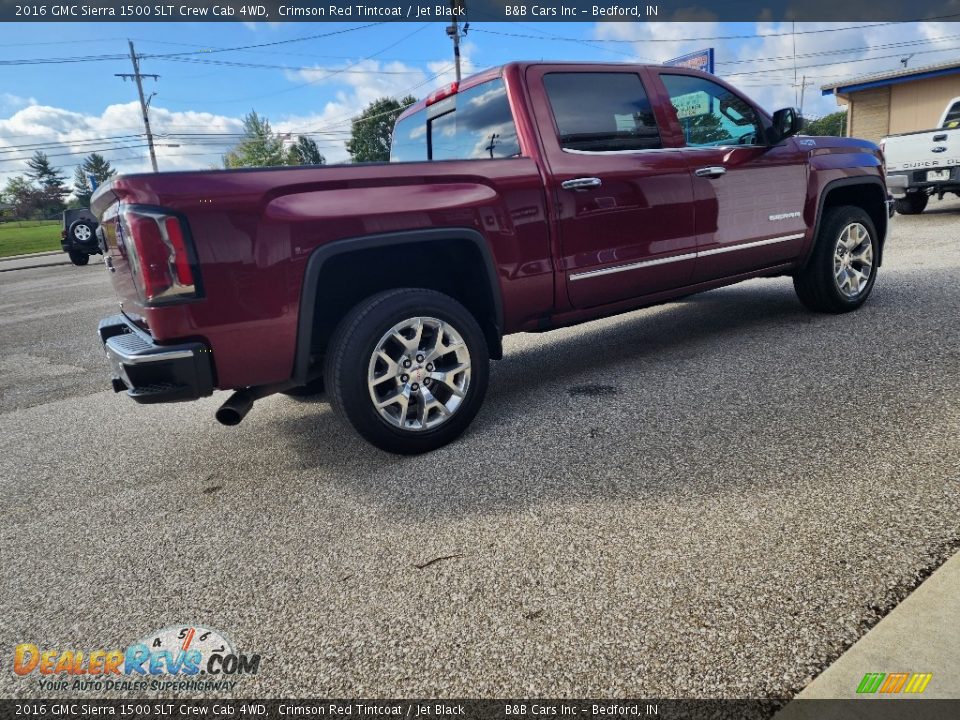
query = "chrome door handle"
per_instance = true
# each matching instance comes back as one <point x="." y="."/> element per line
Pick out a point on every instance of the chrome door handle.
<point x="581" y="183"/>
<point x="713" y="171"/>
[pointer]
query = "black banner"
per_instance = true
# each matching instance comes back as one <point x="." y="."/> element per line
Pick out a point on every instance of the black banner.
<point x="425" y="709"/>
<point x="360" y="11"/>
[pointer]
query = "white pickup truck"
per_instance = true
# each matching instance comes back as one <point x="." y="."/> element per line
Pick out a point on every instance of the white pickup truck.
<point x="926" y="162"/>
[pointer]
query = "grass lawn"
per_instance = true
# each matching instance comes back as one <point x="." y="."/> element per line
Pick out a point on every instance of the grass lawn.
<point x="29" y="236"/>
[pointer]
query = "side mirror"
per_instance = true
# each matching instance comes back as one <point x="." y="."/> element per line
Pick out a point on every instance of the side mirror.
<point x="786" y="122"/>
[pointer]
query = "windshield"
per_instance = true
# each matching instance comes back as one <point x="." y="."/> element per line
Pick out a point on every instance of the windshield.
<point x="475" y="124"/>
<point x="952" y="120"/>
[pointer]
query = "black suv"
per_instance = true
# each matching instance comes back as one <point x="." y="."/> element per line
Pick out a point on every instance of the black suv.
<point x="78" y="236"/>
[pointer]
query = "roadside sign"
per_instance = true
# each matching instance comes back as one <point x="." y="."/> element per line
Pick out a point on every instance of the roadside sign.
<point x="698" y="60"/>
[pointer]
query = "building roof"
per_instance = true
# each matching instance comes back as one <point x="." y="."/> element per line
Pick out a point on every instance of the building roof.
<point x="891" y="77"/>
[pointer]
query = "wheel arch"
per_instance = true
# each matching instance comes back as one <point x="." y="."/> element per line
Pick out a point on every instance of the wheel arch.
<point x="866" y="192"/>
<point x="327" y="278"/>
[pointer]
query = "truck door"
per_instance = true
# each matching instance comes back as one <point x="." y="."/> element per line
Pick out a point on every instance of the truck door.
<point x="623" y="202"/>
<point x="749" y="196"/>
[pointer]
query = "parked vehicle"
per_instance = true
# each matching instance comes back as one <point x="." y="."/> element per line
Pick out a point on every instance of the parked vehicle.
<point x="530" y="197"/>
<point x="926" y="162"/>
<point x="78" y="235"/>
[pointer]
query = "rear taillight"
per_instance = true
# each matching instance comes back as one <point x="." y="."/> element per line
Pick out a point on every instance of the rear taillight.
<point x="159" y="255"/>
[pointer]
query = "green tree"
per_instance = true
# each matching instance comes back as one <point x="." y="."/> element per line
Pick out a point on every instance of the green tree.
<point x="98" y="166"/>
<point x="24" y="197"/>
<point x="371" y="132"/>
<point x="81" y="188"/>
<point x="833" y="124"/>
<point x="305" y="152"/>
<point x="50" y="184"/>
<point x="95" y="166"/>
<point x="259" y="146"/>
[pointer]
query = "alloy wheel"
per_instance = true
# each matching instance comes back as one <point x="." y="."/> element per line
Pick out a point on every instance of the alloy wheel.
<point x="853" y="260"/>
<point x="419" y="373"/>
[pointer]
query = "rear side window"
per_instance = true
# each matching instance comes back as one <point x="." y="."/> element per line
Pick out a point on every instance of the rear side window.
<point x="952" y="120"/>
<point x="475" y="124"/>
<point x="602" y="112"/>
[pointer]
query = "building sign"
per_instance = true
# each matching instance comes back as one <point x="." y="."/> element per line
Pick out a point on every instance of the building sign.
<point x="699" y="60"/>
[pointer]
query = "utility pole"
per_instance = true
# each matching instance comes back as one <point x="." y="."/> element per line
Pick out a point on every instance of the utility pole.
<point x="454" y="32"/>
<point x="803" y="87"/>
<point x="144" y="103"/>
<point x="793" y="33"/>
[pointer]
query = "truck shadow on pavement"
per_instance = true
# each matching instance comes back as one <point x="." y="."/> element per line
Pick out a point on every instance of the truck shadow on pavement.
<point x="722" y="389"/>
<point x="607" y="387"/>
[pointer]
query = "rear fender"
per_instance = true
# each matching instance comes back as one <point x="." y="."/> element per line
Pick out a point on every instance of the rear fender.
<point x="325" y="253"/>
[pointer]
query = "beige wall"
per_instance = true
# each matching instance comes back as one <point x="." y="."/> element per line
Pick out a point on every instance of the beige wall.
<point x="919" y="105"/>
<point x="905" y="107"/>
<point x="870" y="114"/>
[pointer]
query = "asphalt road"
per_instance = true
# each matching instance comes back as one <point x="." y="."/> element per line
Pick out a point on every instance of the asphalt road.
<point x="710" y="498"/>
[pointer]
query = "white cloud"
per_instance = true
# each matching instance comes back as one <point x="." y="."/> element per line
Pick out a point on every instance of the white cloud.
<point x="9" y="101"/>
<point x="771" y="82"/>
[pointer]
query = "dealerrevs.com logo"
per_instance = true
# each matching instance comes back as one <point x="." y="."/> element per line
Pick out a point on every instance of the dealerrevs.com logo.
<point x="175" y="658"/>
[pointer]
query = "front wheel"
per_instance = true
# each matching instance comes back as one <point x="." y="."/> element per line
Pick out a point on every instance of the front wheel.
<point x="912" y="203"/>
<point x="79" y="258"/>
<point x="408" y="369"/>
<point x="843" y="266"/>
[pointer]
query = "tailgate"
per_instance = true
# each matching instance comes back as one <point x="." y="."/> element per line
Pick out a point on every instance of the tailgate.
<point x="931" y="150"/>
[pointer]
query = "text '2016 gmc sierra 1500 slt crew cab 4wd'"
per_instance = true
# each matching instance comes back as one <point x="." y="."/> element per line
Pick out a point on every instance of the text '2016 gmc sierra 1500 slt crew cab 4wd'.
<point x="530" y="197"/>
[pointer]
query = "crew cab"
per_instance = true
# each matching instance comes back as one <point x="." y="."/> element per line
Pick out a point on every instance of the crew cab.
<point x="528" y="197"/>
<point x="925" y="163"/>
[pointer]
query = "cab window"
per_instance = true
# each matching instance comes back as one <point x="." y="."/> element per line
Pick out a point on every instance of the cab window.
<point x="710" y="114"/>
<point x="601" y="112"/>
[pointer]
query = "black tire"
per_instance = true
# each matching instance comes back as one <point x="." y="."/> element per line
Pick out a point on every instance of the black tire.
<point x="350" y="353"/>
<point x="79" y="258"/>
<point x="83" y="232"/>
<point x="817" y="284"/>
<point x="314" y="387"/>
<point x="912" y="203"/>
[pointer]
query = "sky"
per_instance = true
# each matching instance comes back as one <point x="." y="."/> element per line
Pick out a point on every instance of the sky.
<point x="314" y="85"/>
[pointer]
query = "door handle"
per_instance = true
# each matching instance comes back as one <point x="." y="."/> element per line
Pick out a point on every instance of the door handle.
<point x="714" y="171"/>
<point x="581" y="183"/>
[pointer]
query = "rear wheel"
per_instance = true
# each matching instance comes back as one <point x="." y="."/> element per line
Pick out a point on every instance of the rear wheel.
<point x="912" y="203"/>
<point x="408" y="369"/>
<point x="843" y="267"/>
<point x="79" y="258"/>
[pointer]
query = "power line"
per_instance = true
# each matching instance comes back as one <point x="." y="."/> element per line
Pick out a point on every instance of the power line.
<point x="843" y="51"/>
<point x="329" y="74"/>
<point x="855" y="60"/>
<point x="264" y="66"/>
<point x="106" y="57"/>
<point x="714" y="37"/>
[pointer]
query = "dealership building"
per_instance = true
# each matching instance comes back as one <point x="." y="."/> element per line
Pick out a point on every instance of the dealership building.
<point x="896" y="101"/>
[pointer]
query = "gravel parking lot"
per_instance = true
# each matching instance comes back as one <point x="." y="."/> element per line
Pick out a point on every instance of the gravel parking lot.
<point x="710" y="498"/>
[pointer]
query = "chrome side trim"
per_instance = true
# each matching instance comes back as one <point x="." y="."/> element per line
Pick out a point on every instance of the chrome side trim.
<point x="681" y="258"/>
<point x="746" y="246"/>
<point x="632" y="266"/>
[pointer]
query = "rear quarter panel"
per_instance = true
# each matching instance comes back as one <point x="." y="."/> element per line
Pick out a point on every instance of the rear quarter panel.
<point x="254" y="232"/>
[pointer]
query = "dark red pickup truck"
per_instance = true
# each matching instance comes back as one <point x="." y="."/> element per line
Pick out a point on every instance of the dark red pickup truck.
<point x="532" y="196"/>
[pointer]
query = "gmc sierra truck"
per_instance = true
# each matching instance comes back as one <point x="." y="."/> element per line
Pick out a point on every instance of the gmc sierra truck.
<point x="925" y="163"/>
<point x="528" y="197"/>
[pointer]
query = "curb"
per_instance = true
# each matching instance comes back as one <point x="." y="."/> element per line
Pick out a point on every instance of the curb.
<point x="31" y="267"/>
<point x="30" y="255"/>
